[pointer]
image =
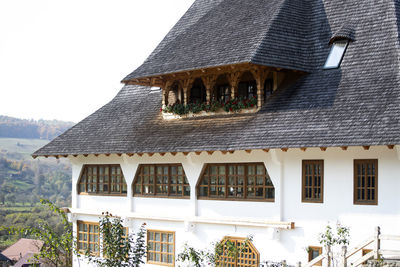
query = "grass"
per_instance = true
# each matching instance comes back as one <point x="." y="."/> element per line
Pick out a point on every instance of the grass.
<point x="25" y="147"/>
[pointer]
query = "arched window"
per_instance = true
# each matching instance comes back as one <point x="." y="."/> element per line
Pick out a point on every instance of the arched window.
<point x="268" y="88"/>
<point x="247" y="86"/>
<point x="236" y="181"/>
<point x="223" y="89"/>
<point x="198" y="92"/>
<point x="102" y="179"/>
<point x="175" y="94"/>
<point x="249" y="257"/>
<point x="161" y="180"/>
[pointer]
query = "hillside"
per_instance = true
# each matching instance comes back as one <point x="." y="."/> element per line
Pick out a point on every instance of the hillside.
<point x="41" y="129"/>
<point x="24" y="180"/>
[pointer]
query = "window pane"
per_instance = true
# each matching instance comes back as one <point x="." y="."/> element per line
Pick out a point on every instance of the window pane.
<point x="336" y="54"/>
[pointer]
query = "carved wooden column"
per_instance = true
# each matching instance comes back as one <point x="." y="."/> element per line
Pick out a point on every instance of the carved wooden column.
<point x="165" y="91"/>
<point x="187" y="84"/>
<point x="209" y="82"/>
<point x="260" y="74"/>
<point x="234" y="82"/>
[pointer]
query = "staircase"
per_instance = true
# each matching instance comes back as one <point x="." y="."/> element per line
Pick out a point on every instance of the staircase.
<point x="381" y="257"/>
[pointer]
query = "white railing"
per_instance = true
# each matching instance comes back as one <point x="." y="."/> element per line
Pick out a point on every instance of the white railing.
<point x="375" y="253"/>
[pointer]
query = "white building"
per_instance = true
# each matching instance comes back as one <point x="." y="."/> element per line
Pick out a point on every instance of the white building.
<point x="277" y="118"/>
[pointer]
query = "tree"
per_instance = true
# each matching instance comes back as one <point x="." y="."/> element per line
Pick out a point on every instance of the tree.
<point x="10" y="198"/>
<point x="330" y="240"/>
<point x="119" y="248"/>
<point x="58" y="248"/>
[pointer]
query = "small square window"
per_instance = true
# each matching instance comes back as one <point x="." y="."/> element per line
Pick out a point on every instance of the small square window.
<point x="314" y="252"/>
<point x="336" y="54"/>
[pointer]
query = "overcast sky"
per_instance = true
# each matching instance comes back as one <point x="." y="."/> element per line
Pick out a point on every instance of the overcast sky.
<point x="64" y="59"/>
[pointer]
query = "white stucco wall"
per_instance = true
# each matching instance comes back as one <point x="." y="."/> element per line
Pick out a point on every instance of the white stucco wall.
<point x="284" y="169"/>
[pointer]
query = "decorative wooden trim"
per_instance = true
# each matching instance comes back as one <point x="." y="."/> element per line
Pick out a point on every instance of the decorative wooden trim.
<point x="130" y="154"/>
<point x="266" y="150"/>
<point x="390" y="146"/>
<point x="107" y="155"/>
<point x="85" y="155"/>
<point x="285" y="149"/>
<point x="344" y="147"/>
<point x="248" y="151"/>
<point x="197" y="152"/>
<point x="210" y="152"/>
<point x="162" y="154"/>
<point x="185" y="153"/>
<point x="231" y="151"/>
<point x="368" y="183"/>
<point x="150" y="154"/>
<point x="308" y="171"/>
<point x="249" y="258"/>
<point x="73" y="156"/>
<point x="224" y="152"/>
<point x="323" y="148"/>
<point x="303" y="149"/>
<point x="366" y="147"/>
<point x="140" y="154"/>
<point x="173" y="153"/>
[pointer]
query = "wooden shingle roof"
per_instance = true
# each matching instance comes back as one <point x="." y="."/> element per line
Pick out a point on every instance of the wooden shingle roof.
<point x="355" y="105"/>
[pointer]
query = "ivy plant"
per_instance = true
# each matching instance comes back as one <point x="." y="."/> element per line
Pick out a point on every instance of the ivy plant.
<point x="118" y="247"/>
<point x="234" y="105"/>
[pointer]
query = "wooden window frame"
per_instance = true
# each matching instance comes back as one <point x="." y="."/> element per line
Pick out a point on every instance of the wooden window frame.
<point x="312" y="186"/>
<point x="139" y="174"/>
<point x="222" y="96"/>
<point x="226" y="185"/>
<point x="357" y="201"/>
<point x="110" y="183"/>
<point x="248" y="84"/>
<point x="161" y="243"/>
<point x="88" y="233"/>
<point x="229" y="261"/>
<point x="310" y="256"/>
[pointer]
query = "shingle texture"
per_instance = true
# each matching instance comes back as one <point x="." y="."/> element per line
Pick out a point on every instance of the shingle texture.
<point x="357" y="104"/>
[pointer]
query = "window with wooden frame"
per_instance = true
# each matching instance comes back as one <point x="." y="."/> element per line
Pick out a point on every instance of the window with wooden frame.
<point x="88" y="237"/>
<point x="314" y="252"/>
<point x="247" y="90"/>
<point x="102" y="180"/>
<point x="161" y="180"/>
<point x="366" y="181"/>
<point x="250" y="257"/>
<point x="313" y="181"/>
<point x="223" y="92"/>
<point x="236" y="181"/>
<point x="160" y="247"/>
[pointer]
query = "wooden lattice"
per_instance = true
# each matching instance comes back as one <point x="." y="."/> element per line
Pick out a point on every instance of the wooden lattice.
<point x="250" y="257"/>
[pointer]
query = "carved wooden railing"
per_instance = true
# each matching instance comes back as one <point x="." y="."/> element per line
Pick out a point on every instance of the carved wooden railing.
<point x="376" y="253"/>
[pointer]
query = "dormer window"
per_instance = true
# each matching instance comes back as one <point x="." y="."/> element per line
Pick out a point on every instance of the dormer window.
<point x="336" y="54"/>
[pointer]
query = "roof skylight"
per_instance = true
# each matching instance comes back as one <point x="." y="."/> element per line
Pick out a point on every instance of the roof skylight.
<point x="336" y="54"/>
